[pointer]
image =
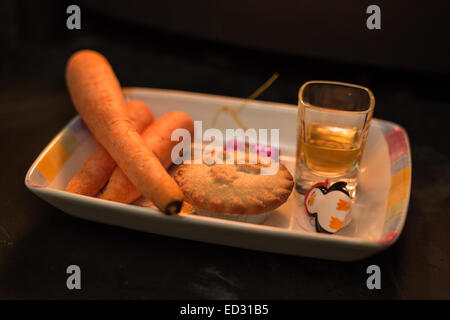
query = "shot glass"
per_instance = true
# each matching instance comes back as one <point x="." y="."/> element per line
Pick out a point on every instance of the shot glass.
<point x="333" y="125"/>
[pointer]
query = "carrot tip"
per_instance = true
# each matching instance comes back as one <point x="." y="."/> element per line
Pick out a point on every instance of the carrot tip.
<point x="174" y="207"/>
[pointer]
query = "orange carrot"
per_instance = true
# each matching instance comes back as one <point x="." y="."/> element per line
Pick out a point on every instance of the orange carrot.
<point x="97" y="169"/>
<point x="97" y="96"/>
<point x="157" y="137"/>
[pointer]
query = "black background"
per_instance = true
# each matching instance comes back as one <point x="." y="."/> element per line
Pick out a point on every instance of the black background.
<point x="38" y="242"/>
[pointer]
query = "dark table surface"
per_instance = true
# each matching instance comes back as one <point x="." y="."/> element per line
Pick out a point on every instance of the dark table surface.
<point x="38" y="241"/>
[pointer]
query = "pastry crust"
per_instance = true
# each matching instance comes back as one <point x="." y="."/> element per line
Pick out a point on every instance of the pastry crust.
<point x="234" y="188"/>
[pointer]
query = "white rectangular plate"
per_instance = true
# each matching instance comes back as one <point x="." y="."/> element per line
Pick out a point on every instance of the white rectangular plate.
<point x="379" y="212"/>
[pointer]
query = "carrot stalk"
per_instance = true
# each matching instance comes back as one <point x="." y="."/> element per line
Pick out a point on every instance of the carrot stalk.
<point x="157" y="138"/>
<point x="97" y="169"/>
<point x="97" y="96"/>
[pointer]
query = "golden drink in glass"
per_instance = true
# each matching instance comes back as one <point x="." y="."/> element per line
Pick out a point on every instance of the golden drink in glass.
<point x="333" y="124"/>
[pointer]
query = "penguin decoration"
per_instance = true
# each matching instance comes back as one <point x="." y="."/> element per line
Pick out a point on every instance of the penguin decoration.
<point x="330" y="206"/>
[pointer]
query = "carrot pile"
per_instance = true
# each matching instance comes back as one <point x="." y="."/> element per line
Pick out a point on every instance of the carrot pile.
<point x="97" y="96"/>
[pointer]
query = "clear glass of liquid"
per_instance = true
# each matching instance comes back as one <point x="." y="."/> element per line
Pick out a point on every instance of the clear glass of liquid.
<point x="333" y="125"/>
